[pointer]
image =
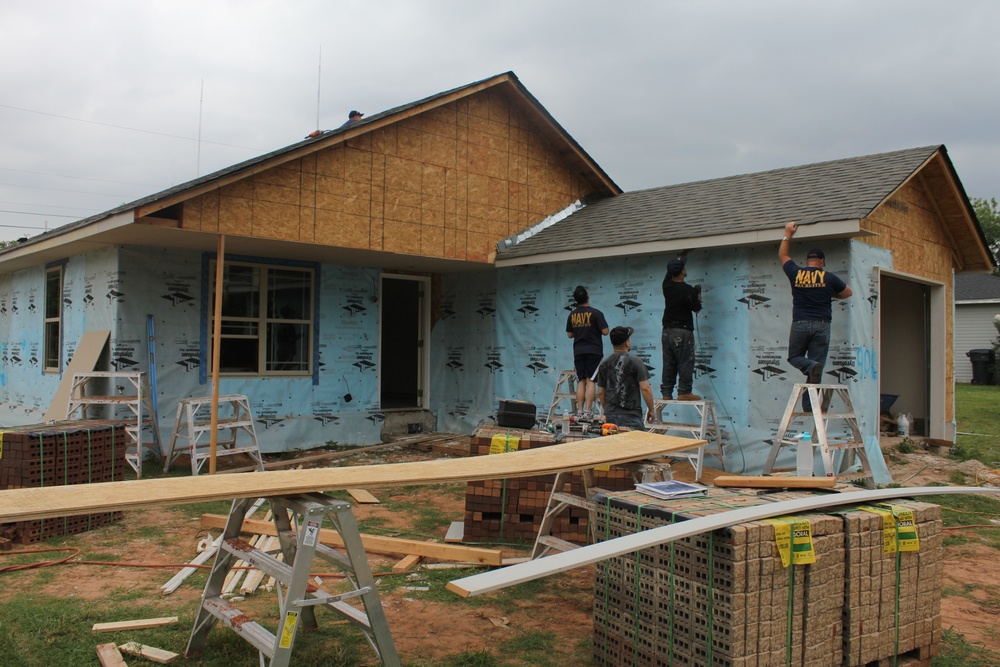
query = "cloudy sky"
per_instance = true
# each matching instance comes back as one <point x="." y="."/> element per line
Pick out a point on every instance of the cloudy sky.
<point x="106" y="101"/>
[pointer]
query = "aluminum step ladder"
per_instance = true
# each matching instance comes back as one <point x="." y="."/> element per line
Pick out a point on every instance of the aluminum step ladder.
<point x="818" y="420"/>
<point x="704" y="427"/>
<point x="566" y="391"/>
<point x="127" y="392"/>
<point x="298" y="520"/>
<point x="193" y="423"/>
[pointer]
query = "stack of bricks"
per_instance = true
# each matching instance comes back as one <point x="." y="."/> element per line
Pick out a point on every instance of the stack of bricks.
<point x="725" y="599"/>
<point x="56" y="454"/>
<point x="512" y="509"/>
<point x="877" y="602"/>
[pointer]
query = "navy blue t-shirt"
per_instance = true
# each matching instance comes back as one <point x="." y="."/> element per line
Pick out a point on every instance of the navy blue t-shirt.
<point x="586" y="325"/>
<point x="812" y="291"/>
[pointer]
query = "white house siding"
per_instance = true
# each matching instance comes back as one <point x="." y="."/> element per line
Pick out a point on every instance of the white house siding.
<point x="974" y="330"/>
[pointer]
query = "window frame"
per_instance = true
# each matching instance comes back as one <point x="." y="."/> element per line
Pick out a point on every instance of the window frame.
<point x="57" y="319"/>
<point x="263" y="319"/>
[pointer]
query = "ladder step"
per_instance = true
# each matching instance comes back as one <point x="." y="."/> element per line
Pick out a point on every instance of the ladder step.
<point x="255" y="633"/>
<point x="556" y="543"/>
<point x="254" y="557"/>
<point x="575" y="501"/>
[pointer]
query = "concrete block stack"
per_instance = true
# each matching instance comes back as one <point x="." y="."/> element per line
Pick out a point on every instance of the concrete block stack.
<point x="56" y="454"/>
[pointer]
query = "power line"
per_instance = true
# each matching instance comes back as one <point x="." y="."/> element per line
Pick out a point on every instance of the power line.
<point x="78" y="192"/>
<point x="49" y="215"/>
<point x="22" y="203"/>
<point x="123" y="127"/>
<point x="81" y="178"/>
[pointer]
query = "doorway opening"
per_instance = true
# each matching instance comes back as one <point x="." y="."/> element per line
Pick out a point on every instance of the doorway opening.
<point x="911" y="350"/>
<point x="403" y="332"/>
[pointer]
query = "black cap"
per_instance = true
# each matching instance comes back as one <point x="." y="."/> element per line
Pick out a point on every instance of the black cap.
<point x="675" y="267"/>
<point x="815" y="253"/>
<point x="354" y="113"/>
<point x="580" y="295"/>
<point x="620" y="334"/>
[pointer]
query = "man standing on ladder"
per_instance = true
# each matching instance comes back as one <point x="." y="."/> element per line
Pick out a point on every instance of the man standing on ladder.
<point x="813" y="291"/>
<point x="585" y="325"/>
<point x="680" y="300"/>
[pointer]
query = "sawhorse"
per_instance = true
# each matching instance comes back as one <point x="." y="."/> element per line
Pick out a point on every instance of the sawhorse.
<point x="298" y="520"/>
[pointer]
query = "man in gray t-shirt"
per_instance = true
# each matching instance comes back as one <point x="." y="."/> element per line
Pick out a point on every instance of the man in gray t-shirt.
<point x="623" y="384"/>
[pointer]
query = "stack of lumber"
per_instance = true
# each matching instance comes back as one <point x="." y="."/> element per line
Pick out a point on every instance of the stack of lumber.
<point x="56" y="454"/>
<point x="727" y="599"/>
<point x="513" y="508"/>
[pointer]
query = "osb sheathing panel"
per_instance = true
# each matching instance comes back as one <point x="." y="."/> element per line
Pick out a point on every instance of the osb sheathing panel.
<point x="909" y="226"/>
<point x="476" y="169"/>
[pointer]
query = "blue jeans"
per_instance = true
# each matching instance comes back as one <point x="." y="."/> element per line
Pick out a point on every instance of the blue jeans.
<point x="628" y="421"/>
<point x="678" y="361"/>
<point x="808" y="344"/>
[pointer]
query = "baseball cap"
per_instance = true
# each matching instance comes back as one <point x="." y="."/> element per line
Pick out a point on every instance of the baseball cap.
<point x="815" y="253"/>
<point x="354" y="113"/>
<point x="675" y="267"/>
<point x="620" y="334"/>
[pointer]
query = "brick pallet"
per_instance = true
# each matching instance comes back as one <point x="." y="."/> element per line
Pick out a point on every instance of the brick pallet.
<point x="725" y="599"/>
<point x="513" y="508"/>
<point x="57" y="454"/>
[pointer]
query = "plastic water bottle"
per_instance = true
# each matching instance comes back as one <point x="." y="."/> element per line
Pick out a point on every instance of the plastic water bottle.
<point x="565" y="423"/>
<point x="804" y="455"/>
<point x="903" y="424"/>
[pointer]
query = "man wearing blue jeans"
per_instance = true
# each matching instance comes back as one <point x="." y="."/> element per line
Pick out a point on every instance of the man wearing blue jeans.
<point x="623" y="384"/>
<point x="813" y="291"/>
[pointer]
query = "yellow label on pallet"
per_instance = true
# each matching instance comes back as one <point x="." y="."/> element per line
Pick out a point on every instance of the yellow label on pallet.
<point x="793" y="537"/>
<point x="500" y="444"/>
<point x="288" y="631"/>
<point x="888" y="527"/>
<point x="906" y="528"/>
<point x="1" y="444"/>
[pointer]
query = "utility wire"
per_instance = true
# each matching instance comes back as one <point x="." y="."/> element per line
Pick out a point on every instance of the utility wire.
<point x="81" y="178"/>
<point x="49" y="215"/>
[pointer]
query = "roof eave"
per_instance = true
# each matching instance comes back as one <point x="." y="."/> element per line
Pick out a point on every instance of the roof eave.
<point x="818" y="231"/>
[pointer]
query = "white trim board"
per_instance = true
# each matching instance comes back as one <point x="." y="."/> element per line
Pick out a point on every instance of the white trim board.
<point x="568" y="560"/>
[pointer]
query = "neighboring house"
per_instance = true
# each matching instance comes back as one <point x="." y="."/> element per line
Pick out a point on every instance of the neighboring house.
<point x="977" y="302"/>
<point x="419" y="266"/>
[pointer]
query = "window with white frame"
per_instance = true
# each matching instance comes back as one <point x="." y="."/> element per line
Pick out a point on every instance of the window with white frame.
<point x="52" y="336"/>
<point x="267" y="319"/>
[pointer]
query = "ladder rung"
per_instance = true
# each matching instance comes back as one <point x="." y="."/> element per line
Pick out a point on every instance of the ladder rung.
<point x="853" y="444"/>
<point x="851" y="476"/>
<point x="575" y="501"/>
<point x="556" y="543"/>
<point x="262" y="561"/>
<point x="252" y="631"/>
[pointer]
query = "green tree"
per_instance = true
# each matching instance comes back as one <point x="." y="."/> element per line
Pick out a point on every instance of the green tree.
<point x="988" y="212"/>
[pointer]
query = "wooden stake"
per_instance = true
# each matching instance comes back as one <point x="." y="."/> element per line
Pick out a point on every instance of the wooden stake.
<point x="213" y="443"/>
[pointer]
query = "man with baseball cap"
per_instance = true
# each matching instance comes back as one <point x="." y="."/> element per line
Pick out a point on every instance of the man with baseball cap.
<point x="352" y="118"/>
<point x="680" y="300"/>
<point x="623" y="384"/>
<point x="813" y="291"/>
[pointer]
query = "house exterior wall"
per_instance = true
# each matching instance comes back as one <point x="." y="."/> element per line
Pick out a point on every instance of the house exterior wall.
<point x="909" y="226"/>
<point x="447" y="183"/>
<point x="974" y="330"/>
<point x="742" y="336"/>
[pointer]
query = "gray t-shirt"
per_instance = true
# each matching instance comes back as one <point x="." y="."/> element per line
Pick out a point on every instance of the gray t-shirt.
<point x="620" y="374"/>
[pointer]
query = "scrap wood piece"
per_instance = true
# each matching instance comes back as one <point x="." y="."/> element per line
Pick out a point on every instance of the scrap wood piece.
<point x="456" y="532"/>
<point x="362" y="496"/>
<point x="110" y="656"/>
<point x="186" y="572"/>
<point x="374" y="543"/>
<point x="774" y="482"/>
<point x="137" y="624"/>
<point x="254" y="577"/>
<point x="407" y="563"/>
<point x="149" y="653"/>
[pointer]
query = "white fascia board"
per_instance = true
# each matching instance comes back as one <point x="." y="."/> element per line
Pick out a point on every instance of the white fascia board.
<point x="976" y="302"/>
<point x="82" y="234"/>
<point x="820" y="230"/>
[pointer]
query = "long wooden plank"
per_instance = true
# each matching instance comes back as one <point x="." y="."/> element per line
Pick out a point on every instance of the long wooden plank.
<point x="85" y="358"/>
<point x="375" y="543"/>
<point x="56" y="501"/>
<point x="768" y="482"/>
<point x="137" y="624"/>
<point x="110" y="656"/>
<point x="587" y="555"/>
<point x="150" y="653"/>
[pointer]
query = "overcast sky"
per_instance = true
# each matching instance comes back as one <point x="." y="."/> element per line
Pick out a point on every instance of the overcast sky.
<point x="103" y="101"/>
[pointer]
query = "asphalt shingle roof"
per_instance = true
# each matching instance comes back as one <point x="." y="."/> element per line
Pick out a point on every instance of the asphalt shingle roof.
<point x="976" y="287"/>
<point x="848" y="189"/>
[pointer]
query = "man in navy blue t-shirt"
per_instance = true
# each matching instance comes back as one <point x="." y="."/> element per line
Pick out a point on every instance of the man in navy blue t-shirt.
<point x="813" y="289"/>
<point x="586" y="325"/>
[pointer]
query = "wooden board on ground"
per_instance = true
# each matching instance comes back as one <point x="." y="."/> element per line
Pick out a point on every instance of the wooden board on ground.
<point x="57" y="501"/>
<point x="594" y="553"/>
<point x="363" y="497"/>
<point x="456" y="532"/>
<point x="110" y="656"/>
<point x="137" y="624"/>
<point x="88" y="351"/>
<point x="769" y="482"/>
<point x="392" y="545"/>
<point x="149" y="653"/>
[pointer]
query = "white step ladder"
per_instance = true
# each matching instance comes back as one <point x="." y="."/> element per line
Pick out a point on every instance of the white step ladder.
<point x="559" y="396"/>
<point x="298" y="520"/>
<point x="704" y="427"/>
<point x="817" y="421"/>
<point x="193" y="423"/>
<point x="129" y="390"/>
